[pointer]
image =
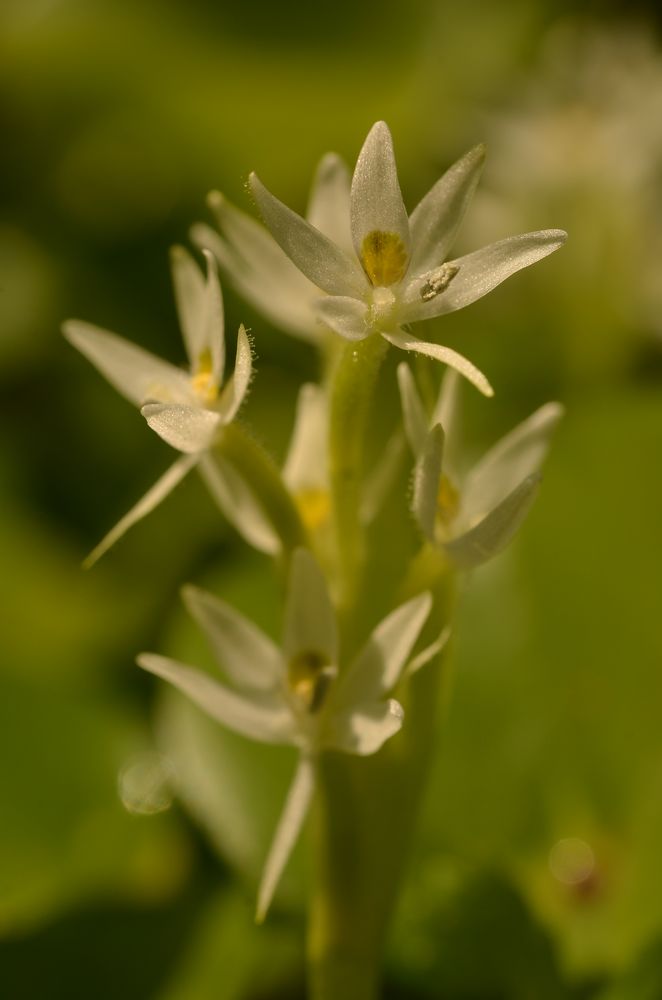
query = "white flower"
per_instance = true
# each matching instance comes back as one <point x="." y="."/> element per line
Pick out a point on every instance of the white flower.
<point x="397" y="273"/>
<point x="258" y="268"/>
<point x="471" y="517"/>
<point x="296" y="694"/>
<point x="186" y="408"/>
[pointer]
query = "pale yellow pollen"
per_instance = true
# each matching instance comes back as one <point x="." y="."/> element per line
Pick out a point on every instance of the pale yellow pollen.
<point x="308" y="676"/>
<point x="384" y="257"/>
<point x="314" y="506"/>
<point x="203" y="381"/>
<point x="448" y="501"/>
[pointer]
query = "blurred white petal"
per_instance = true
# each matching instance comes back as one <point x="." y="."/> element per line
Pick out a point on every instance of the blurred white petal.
<point x="427" y="477"/>
<point x="310" y="621"/>
<point x="189" y="285"/>
<point x="407" y="342"/>
<point x="364" y="728"/>
<point x="236" y="387"/>
<point x="190" y="429"/>
<point x="413" y="412"/>
<point x="344" y="315"/>
<point x="238" y="503"/>
<point x="212" y="334"/>
<point x="249" y="658"/>
<point x="328" y="206"/>
<point x="306" y="464"/>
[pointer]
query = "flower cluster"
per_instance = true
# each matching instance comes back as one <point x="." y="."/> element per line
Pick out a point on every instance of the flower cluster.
<point x="358" y="267"/>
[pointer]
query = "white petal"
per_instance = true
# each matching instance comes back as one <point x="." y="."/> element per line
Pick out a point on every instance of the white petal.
<point x="236" y="387"/>
<point x="516" y="456"/>
<point x="364" y="728"/>
<point x="189" y="285"/>
<point x="260" y="718"/>
<point x="376" y="201"/>
<point x="427" y="476"/>
<point x="423" y="658"/>
<point x="481" y="271"/>
<point x="413" y="411"/>
<point x="377" y="668"/>
<point x="407" y="342"/>
<point x="249" y="658"/>
<point x="325" y="264"/>
<point x="260" y="271"/>
<point x="344" y="315"/>
<point x="306" y="465"/>
<point x="190" y="429"/>
<point x="382" y="477"/>
<point x="212" y="337"/>
<point x="238" y="504"/>
<point x="328" y="207"/>
<point x="145" y="505"/>
<point x="310" y="621"/>
<point x="436" y="219"/>
<point x="447" y="413"/>
<point x="135" y="373"/>
<point x="287" y="832"/>
<point x="491" y="535"/>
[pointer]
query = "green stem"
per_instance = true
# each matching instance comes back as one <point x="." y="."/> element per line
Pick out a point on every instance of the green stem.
<point x="263" y="478"/>
<point x="352" y="388"/>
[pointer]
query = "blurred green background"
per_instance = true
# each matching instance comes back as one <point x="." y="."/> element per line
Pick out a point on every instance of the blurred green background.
<point x="537" y="870"/>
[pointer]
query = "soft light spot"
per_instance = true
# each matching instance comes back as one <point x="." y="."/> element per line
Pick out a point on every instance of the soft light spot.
<point x="571" y="861"/>
<point x="309" y="675"/>
<point x="203" y="381"/>
<point x="145" y="784"/>
<point x="314" y="505"/>
<point x="384" y="257"/>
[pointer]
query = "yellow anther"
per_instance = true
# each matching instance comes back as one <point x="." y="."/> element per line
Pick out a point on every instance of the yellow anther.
<point x="308" y="676"/>
<point x="384" y="257"/>
<point x="314" y="506"/>
<point x="448" y="501"/>
<point x="203" y="381"/>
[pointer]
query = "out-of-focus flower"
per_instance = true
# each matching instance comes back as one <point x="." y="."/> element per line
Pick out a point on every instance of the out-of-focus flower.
<point x="297" y="694"/>
<point x="471" y="517"/>
<point x="187" y="408"/>
<point x="398" y="273"/>
<point x="257" y="267"/>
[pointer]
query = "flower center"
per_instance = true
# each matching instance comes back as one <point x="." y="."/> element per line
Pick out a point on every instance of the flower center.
<point x="448" y="502"/>
<point x="203" y="381"/>
<point x="382" y="309"/>
<point x="384" y="257"/>
<point x="309" y="675"/>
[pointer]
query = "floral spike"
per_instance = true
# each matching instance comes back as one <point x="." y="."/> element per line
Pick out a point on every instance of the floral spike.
<point x="185" y="408"/>
<point x="297" y="694"/>
<point x="398" y="272"/>
<point x="473" y="517"/>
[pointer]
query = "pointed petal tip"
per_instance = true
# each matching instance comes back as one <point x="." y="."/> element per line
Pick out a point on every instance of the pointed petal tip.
<point x="215" y="199"/>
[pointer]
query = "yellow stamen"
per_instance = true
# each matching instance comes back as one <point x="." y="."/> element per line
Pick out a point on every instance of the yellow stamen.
<point x="204" y="384"/>
<point x="308" y="677"/>
<point x="384" y="257"/>
<point x="314" y="506"/>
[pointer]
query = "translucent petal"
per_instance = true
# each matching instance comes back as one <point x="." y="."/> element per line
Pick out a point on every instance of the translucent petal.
<point x="376" y="201"/>
<point x="377" y="668"/>
<point x="145" y="505"/>
<point x="277" y="289"/>
<point x="212" y="337"/>
<point x="480" y="272"/>
<point x="260" y="718"/>
<point x="236" y="388"/>
<point x="447" y="413"/>
<point x="328" y="207"/>
<point x="135" y="373"/>
<point x="344" y="315"/>
<point x="189" y="285"/>
<point x="306" y="465"/>
<point x="238" y="504"/>
<point x="407" y="342"/>
<point x="491" y="535"/>
<point x="436" y="219"/>
<point x="413" y="412"/>
<point x="190" y="429"/>
<point x="516" y="456"/>
<point x="364" y="728"/>
<point x="310" y="621"/>
<point x="287" y="833"/>
<point x="249" y="658"/>
<point x="423" y="658"/>
<point x="427" y="477"/>
<point x="325" y="264"/>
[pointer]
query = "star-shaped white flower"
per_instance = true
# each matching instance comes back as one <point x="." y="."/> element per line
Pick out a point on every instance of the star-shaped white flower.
<point x="186" y="408"/>
<point x="297" y="694"/>
<point x="398" y="273"/>
<point x="471" y="517"/>
<point x="257" y="267"/>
